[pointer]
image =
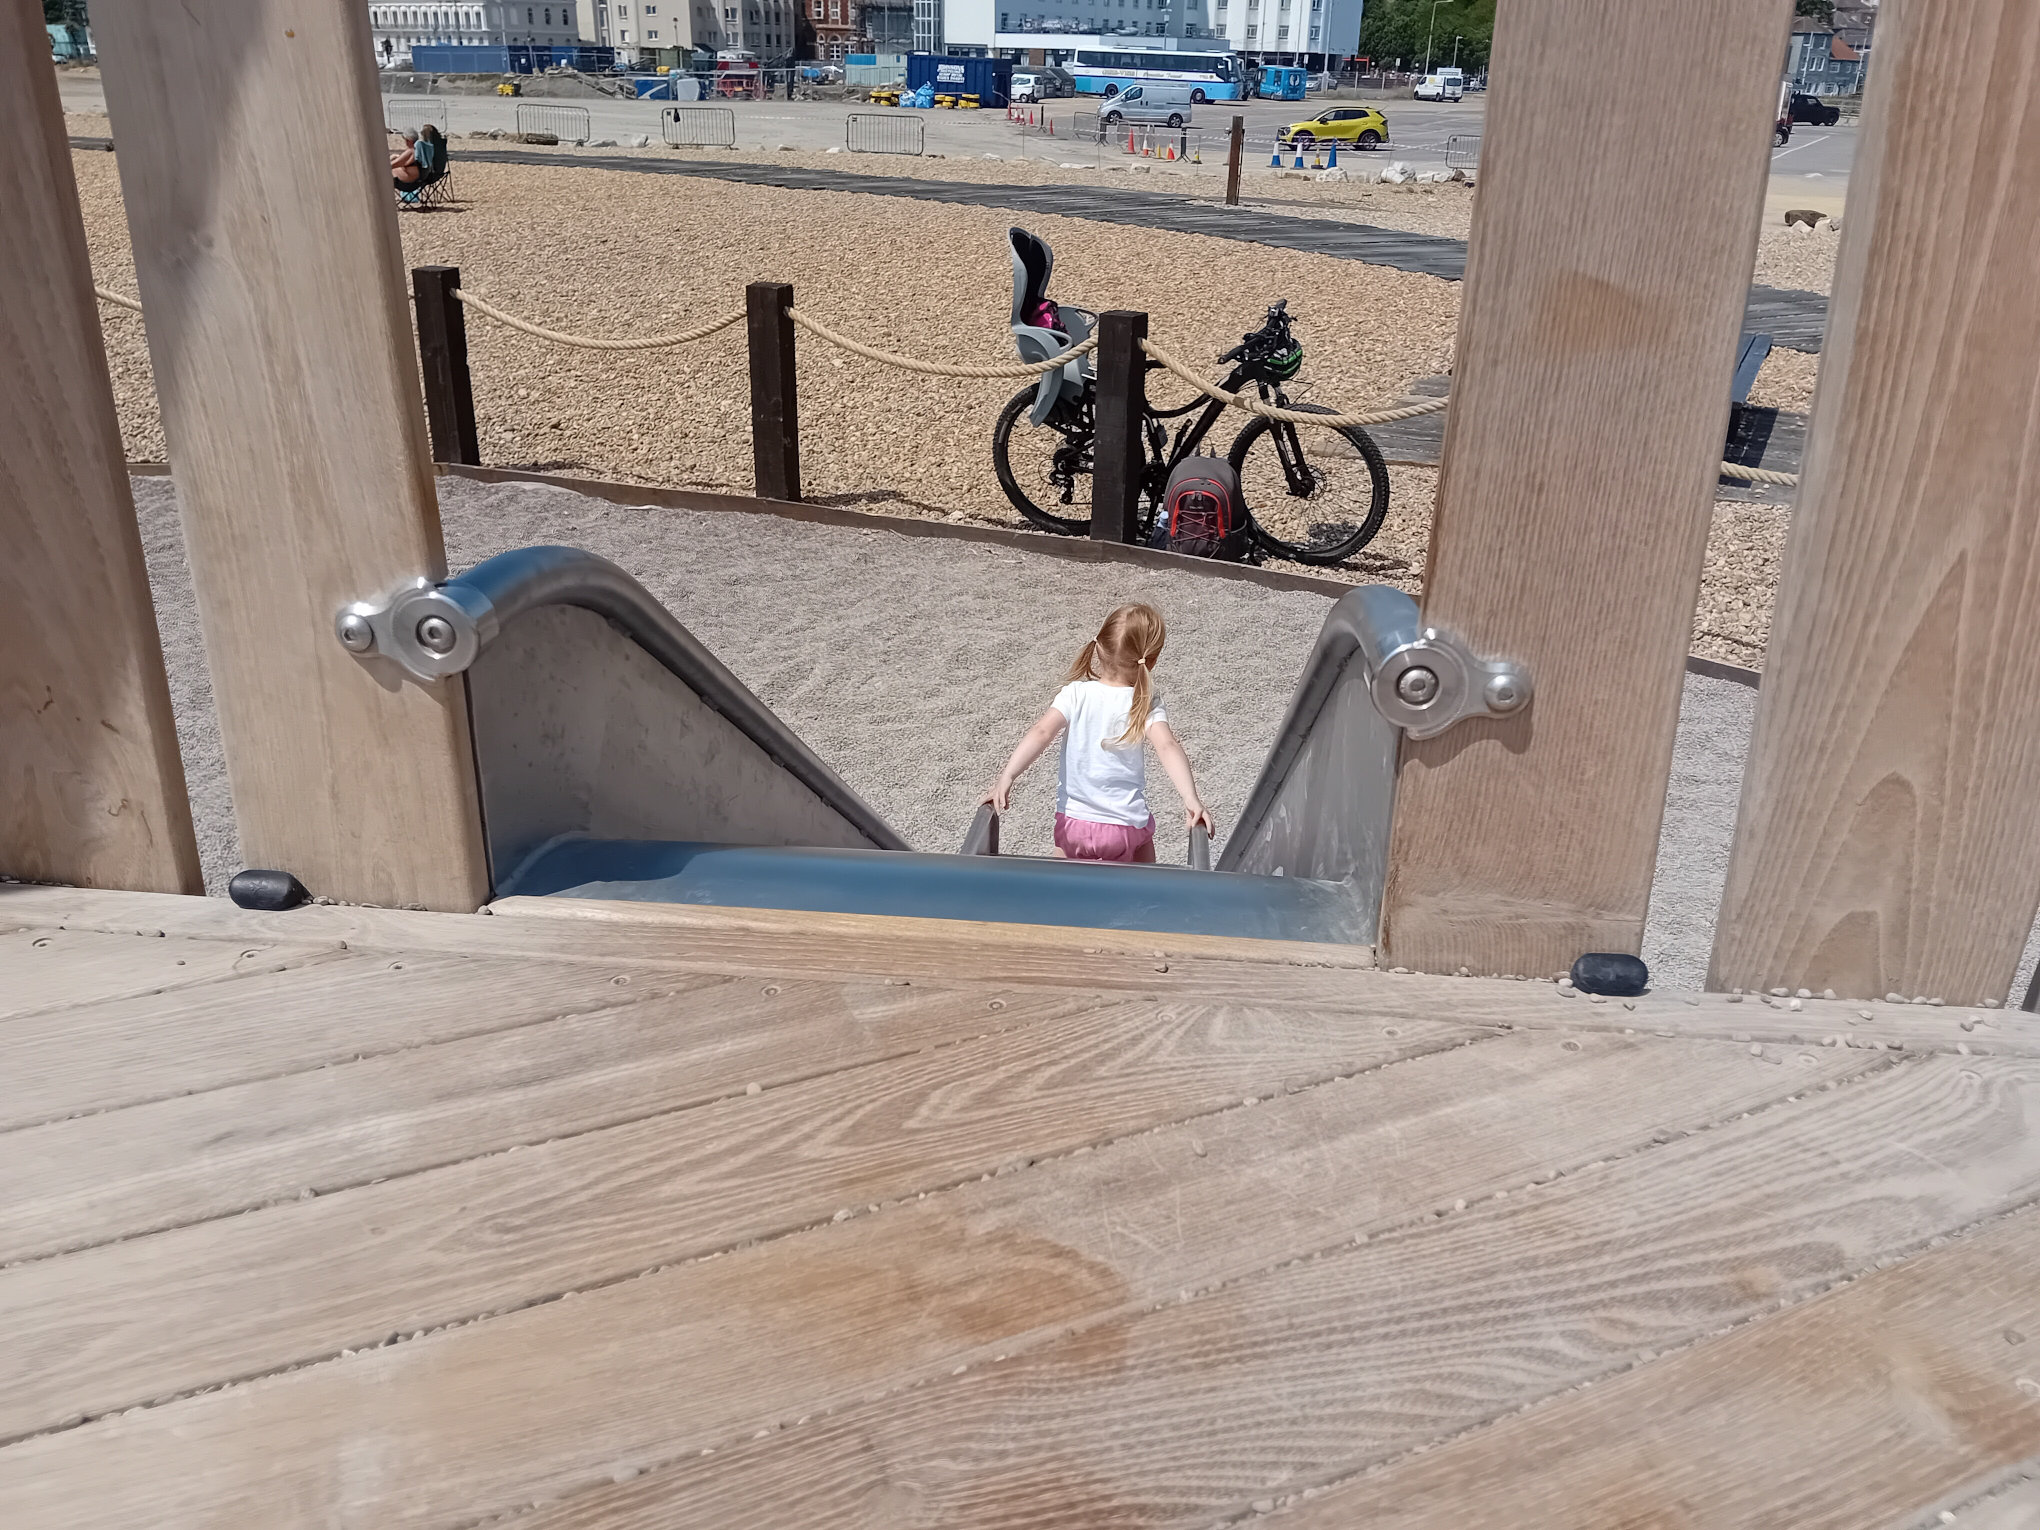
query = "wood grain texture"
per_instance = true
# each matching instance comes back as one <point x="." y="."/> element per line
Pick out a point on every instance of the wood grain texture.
<point x="1847" y="1411"/>
<point x="148" y="1317"/>
<point x="771" y="1332"/>
<point x="1892" y="797"/>
<point x="2015" y="1507"/>
<point x="58" y="969"/>
<point x="118" y="1173"/>
<point x="765" y="943"/>
<point x="293" y="1015"/>
<point x="258" y="195"/>
<point x="91" y="784"/>
<point x="1194" y="1412"/>
<point x="1605" y="282"/>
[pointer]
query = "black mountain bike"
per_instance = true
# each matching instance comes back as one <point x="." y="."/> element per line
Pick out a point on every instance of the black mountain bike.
<point x="1319" y="505"/>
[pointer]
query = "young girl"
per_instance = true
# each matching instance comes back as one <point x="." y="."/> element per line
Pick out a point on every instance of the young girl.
<point x="1107" y="709"/>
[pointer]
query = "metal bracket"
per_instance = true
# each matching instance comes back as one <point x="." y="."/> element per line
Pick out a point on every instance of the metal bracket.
<point x="1426" y="683"/>
<point x="431" y="630"/>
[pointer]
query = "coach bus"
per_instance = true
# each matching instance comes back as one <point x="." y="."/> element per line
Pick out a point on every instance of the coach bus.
<point x="1207" y="76"/>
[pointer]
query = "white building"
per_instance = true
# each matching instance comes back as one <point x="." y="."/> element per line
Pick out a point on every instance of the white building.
<point x="633" y="27"/>
<point x="1266" y="31"/>
<point x="398" y="28"/>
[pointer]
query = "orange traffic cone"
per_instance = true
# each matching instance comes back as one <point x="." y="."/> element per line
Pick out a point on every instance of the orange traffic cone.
<point x="1172" y="151"/>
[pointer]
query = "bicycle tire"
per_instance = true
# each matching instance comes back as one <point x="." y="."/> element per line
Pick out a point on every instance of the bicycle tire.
<point x="1002" y="435"/>
<point x="1330" y="548"/>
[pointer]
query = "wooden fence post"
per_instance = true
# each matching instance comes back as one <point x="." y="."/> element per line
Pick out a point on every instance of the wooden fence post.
<point x="1237" y="140"/>
<point x="443" y="362"/>
<point x="1120" y="452"/>
<point x="775" y="391"/>
<point x="1597" y="340"/>
<point x="1891" y="807"/>
<point x="91" y="785"/>
<point x="289" y="389"/>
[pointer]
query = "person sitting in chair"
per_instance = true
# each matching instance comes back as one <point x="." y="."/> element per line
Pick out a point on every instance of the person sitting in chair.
<point x="420" y="162"/>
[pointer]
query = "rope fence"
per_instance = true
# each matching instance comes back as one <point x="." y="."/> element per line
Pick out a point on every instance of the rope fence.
<point x="482" y="305"/>
<point x="1170" y="363"/>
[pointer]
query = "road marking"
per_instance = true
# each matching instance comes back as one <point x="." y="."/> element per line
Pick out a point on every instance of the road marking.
<point x="1778" y="154"/>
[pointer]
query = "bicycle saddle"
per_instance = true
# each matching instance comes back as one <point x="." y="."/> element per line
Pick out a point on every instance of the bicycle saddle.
<point x="1042" y="328"/>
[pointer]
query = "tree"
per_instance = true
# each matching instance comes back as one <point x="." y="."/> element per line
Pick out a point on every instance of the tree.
<point x="1399" y="29"/>
<point x="1822" y="11"/>
<point x="64" y="12"/>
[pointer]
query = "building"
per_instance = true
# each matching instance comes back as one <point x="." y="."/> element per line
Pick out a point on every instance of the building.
<point x="396" y="28"/>
<point x="838" y="28"/>
<point x="1310" y="32"/>
<point x="638" y="29"/>
<point x="1820" y="62"/>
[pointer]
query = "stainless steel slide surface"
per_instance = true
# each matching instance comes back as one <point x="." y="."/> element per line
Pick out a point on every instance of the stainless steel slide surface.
<point x="998" y="889"/>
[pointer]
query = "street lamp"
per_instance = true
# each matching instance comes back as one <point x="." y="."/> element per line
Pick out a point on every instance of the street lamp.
<point x="1430" y="34"/>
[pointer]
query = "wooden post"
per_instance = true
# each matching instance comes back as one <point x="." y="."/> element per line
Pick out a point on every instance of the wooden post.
<point x="1120" y="452"/>
<point x="775" y="391"/>
<point x="443" y="361"/>
<point x="1891" y="808"/>
<point x="1597" y="340"/>
<point x="259" y="201"/>
<point x="91" y="786"/>
<point x="1237" y="142"/>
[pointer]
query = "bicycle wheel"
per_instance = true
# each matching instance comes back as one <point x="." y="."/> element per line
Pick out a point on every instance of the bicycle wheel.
<point x="1045" y="469"/>
<point x="1311" y="494"/>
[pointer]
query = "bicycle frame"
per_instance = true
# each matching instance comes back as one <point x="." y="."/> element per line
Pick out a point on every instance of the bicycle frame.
<point x="1288" y="449"/>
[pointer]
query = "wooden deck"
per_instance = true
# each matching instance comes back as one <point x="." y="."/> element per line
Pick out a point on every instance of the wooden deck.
<point x="676" y="1217"/>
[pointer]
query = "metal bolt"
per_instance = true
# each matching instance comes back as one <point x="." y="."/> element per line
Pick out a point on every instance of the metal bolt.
<point x="437" y="634"/>
<point x="356" y="636"/>
<point x="1417" y="685"/>
<point x="1503" y="693"/>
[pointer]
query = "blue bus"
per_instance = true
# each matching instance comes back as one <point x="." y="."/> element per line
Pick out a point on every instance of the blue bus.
<point x="1108" y="71"/>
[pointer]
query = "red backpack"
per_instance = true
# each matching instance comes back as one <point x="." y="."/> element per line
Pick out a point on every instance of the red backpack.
<point x="1201" y="511"/>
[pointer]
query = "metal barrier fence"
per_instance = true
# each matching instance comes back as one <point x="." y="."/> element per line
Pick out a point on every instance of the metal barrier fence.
<point x="1462" y="151"/>
<point x="565" y="123"/>
<point x="698" y="127"/>
<point x="413" y="112"/>
<point x="883" y="133"/>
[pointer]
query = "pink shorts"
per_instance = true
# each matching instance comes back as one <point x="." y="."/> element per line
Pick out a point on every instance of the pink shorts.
<point x="1082" y="840"/>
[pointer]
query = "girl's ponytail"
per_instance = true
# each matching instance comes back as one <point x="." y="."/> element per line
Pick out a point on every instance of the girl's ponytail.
<point x="1130" y="641"/>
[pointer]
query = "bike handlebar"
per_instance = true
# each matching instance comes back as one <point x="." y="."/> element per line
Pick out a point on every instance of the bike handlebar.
<point x="1270" y="340"/>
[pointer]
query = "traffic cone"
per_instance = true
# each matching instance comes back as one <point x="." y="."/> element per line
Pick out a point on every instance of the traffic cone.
<point x="1197" y="155"/>
<point x="1299" y="160"/>
<point x="1129" y="140"/>
<point x="1333" y="162"/>
<point x="1172" y="151"/>
<point x="1051" y="127"/>
<point x="1275" y="159"/>
<point x="1317" y="161"/>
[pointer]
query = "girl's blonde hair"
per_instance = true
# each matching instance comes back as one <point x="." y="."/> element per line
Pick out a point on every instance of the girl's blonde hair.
<point x="1131" y="638"/>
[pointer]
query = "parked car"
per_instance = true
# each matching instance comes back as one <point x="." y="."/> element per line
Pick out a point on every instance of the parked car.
<point x="1445" y="85"/>
<point x="1363" y="126"/>
<point x="1043" y="84"/>
<point x="1814" y="110"/>
<point x="1169" y="104"/>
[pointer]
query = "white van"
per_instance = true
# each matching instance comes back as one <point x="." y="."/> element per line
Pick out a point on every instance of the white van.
<point x="1165" y="104"/>
<point x="1445" y="85"/>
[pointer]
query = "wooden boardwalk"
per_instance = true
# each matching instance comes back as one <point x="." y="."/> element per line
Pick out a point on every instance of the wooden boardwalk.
<point x="683" y="1217"/>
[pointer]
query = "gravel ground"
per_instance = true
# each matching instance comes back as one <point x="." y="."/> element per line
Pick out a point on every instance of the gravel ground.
<point x="655" y="249"/>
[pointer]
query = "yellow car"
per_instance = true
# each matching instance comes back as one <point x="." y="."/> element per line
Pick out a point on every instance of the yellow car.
<point x="1359" y="125"/>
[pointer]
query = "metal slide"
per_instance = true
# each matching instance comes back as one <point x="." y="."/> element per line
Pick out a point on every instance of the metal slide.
<point x="617" y="758"/>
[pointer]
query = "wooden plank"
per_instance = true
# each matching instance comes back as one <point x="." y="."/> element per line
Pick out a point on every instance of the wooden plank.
<point x="289" y="389"/>
<point x="764" y="943"/>
<point x="1893" y="790"/>
<point x="1119" y="454"/>
<point x="914" y="1290"/>
<point x="775" y="390"/>
<point x="1610" y="258"/>
<point x="1200" y="1410"/>
<point x="2016" y="1507"/>
<point x="56" y="969"/>
<point x="298" y="1014"/>
<point x="126" y="1322"/>
<point x="91" y="784"/>
<point x="120" y="1173"/>
<point x="1882" y="1396"/>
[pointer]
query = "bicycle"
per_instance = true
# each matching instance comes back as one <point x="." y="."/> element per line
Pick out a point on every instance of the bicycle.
<point x="1319" y="506"/>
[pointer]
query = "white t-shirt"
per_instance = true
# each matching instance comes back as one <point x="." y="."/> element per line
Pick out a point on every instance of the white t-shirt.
<point x="1101" y="782"/>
